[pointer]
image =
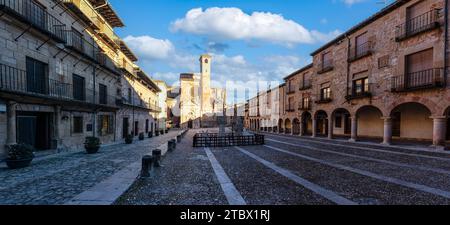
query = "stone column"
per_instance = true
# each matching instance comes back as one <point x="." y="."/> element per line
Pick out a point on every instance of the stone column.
<point x="330" y="128"/>
<point x="354" y="129"/>
<point x="387" y="135"/>
<point x="11" y="123"/>
<point x="314" y="127"/>
<point x="57" y="126"/>
<point x="439" y="130"/>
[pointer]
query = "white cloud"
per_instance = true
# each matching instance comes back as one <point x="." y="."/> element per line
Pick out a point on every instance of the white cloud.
<point x="234" y="24"/>
<point x="149" y="48"/>
<point x="351" y="2"/>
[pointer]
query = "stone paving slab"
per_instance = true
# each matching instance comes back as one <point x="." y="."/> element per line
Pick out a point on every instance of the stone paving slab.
<point x="57" y="179"/>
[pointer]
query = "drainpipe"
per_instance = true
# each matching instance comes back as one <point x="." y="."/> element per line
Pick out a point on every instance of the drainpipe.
<point x="446" y="41"/>
<point x="94" y="129"/>
<point x="348" y="64"/>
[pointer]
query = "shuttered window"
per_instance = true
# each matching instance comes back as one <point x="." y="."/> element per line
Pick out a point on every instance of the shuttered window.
<point x="361" y="42"/>
<point x="419" y="61"/>
<point x="78" y="88"/>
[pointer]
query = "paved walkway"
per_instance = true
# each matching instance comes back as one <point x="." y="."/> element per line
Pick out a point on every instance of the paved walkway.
<point x="58" y="178"/>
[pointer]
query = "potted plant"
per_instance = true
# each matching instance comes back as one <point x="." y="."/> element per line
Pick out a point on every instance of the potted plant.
<point x="92" y="145"/>
<point x="141" y="136"/>
<point x="150" y="134"/>
<point x="129" y="139"/>
<point x="19" y="155"/>
<point x="157" y="133"/>
<point x="162" y="132"/>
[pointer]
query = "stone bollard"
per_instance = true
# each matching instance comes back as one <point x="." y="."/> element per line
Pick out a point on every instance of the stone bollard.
<point x="178" y="138"/>
<point x="171" y="145"/>
<point x="156" y="157"/>
<point x="147" y="162"/>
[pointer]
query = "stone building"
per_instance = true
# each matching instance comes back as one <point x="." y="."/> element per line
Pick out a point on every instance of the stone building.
<point x="384" y="79"/>
<point x="199" y="102"/>
<point x="62" y="71"/>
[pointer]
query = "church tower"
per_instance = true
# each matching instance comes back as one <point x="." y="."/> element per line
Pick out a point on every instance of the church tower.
<point x="205" y="84"/>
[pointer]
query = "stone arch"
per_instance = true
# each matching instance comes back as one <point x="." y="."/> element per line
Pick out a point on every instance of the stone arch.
<point x="280" y="126"/>
<point x="341" y="122"/>
<point x="307" y="123"/>
<point x="411" y="120"/>
<point x="287" y="126"/>
<point x="370" y="121"/>
<point x="433" y="107"/>
<point x="321" y="117"/>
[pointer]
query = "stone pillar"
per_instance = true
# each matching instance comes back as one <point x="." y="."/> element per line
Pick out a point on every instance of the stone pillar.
<point x="439" y="130"/>
<point x="57" y="126"/>
<point x="314" y="127"/>
<point x="330" y="128"/>
<point x="11" y="123"/>
<point x="354" y="129"/>
<point x="387" y="135"/>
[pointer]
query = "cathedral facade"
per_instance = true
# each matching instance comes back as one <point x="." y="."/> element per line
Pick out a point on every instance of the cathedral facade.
<point x="200" y="104"/>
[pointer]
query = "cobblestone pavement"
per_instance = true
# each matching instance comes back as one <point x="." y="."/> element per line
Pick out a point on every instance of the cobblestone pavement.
<point x="290" y="170"/>
<point x="57" y="178"/>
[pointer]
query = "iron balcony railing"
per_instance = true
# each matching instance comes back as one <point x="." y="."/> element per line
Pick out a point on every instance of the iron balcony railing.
<point x="31" y="13"/>
<point x="324" y="98"/>
<point x="17" y="81"/>
<point x="106" y="62"/>
<point x="305" y="85"/>
<point x="361" y="51"/>
<point x="142" y="104"/>
<point x="290" y="108"/>
<point x="326" y="66"/>
<point x="305" y="105"/>
<point x="430" y="78"/>
<point x="290" y="89"/>
<point x="354" y="93"/>
<point x="76" y="42"/>
<point x="419" y="24"/>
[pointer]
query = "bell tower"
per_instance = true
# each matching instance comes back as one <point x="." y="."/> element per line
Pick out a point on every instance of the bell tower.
<point x="205" y="82"/>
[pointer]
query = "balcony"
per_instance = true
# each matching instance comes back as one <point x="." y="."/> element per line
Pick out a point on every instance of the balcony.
<point x="425" y="22"/>
<point x="27" y="11"/>
<point x="426" y="79"/>
<point x="305" y="106"/>
<point x="290" y="90"/>
<point x="361" y="51"/>
<point x="290" y="108"/>
<point x="14" y="80"/>
<point x="84" y="47"/>
<point x="141" y="104"/>
<point x="128" y="68"/>
<point x="106" y="62"/>
<point x="89" y="15"/>
<point x="353" y="93"/>
<point x="325" y="66"/>
<point x="305" y="85"/>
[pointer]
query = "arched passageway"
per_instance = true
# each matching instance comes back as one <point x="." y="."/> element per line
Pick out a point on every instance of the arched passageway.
<point x="280" y="126"/>
<point x="287" y="126"/>
<point x="307" y="123"/>
<point x="296" y="127"/>
<point x="411" y="121"/>
<point x="370" y="123"/>
<point x="275" y="126"/>
<point x="341" y="123"/>
<point x="321" y="123"/>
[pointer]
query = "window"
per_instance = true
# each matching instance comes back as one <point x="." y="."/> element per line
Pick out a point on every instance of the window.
<point x="37" y="76"/>
<point x="325" y="93"/>
<point x="305" y="103"/>
<point x="103" y="92"/>
<point x="77" y="40"/>
<point x="105" y="125"/>
<point x="129" y="95"/>
<point x="383" y="61"/>
<point x="338" y="121"/>
<point x="291" y="103"/>
<point x="77" y="124"/>
<point x="361" y="44"/>
<point x="326" y="60"/>
<point x="361" y="86"/>
<point x="419" y="61"/>
<point x="78" y="88"/>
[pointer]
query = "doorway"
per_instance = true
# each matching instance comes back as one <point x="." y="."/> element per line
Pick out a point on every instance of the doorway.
<point x="190" y="124"/>
<point x="347" y="124"/>
<point x="125" y="127"/>
<point x="35" y="129"/>
<point x="136" y="128"/>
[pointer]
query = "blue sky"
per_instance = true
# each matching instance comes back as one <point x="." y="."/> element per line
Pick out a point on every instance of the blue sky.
<point x="249" y="39"/>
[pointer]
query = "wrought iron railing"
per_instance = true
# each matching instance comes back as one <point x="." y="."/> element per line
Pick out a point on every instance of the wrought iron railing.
<point x="17" y="81"/>
<point x="325" y="66"/>
<point x="361" y="51"/>
<point x="305" y="105"/>
<point x="419" y="24"/>
<point x="353" y="93"/>
<point x="30" y="12"/>
<point x="226" y="140"/>
<point x="76" y="42"/>
<point x="305" y="85"/>
<point x="430" y="78"/>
